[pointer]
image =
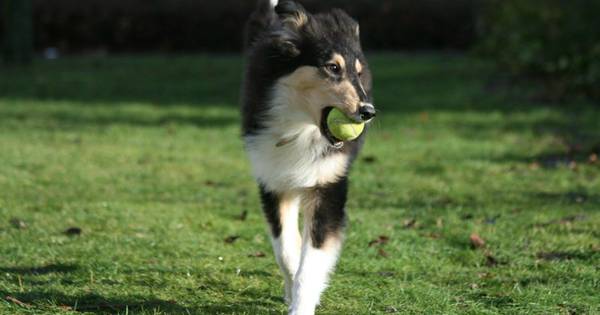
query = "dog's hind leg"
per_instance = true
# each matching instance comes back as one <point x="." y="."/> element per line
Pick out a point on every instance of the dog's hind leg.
<point x="281" y="210"/>
<point x="324" y="221"/>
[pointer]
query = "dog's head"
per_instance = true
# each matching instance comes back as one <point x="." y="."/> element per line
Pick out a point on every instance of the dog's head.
<point x="323" y="61"/>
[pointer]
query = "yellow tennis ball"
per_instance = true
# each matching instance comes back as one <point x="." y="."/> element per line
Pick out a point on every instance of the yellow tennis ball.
<point x="342" y="127"/>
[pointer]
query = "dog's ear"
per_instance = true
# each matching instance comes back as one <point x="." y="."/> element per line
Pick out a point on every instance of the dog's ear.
<point x="291" y="13"/>
<point x="292" y="17"/>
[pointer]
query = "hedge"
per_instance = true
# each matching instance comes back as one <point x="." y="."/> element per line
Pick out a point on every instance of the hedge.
<point x="555" y="41"/>
<point x="202" y="25"/>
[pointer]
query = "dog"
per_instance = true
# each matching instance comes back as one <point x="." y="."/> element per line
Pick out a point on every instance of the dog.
<point x="298" y="67"/>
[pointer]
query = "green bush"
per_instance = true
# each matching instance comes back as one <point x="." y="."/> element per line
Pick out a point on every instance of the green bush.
<point x="557" y="41"/>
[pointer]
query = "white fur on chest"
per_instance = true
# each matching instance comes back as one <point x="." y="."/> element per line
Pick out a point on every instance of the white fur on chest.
<point x="299" y="163"/>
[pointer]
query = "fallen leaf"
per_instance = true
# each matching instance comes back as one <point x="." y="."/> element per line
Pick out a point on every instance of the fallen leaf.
<point x="534" y="166"/>
<point x="381" y="240"/>
<point x="485" y="275"/>
<point x="18" y="223"/>
<point x="593" y="158"/>
<point x="258" y="254"/>
<point x="66" y="308"/>
<point x="16" y="301"/>
<point x="72" y="231"/>
<point x="382" y="253"/>
<point x="231" y="239"/>
<point x="476" y="241"/>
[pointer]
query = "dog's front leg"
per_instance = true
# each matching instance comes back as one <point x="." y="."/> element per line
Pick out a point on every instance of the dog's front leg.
<point x="324" y="220"/>
<point x="281" y="210"/>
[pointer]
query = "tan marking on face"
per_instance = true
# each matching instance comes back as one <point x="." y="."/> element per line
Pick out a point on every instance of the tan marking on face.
<point x="308" y="90"/>
<point x="339" y="60"/>
<point x="358" y="66"/>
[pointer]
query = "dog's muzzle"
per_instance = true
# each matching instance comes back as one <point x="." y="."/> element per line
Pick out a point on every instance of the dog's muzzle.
<point x="366" y="112"/>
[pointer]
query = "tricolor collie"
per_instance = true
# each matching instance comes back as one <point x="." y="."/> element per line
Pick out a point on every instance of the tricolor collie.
<point x="300" y="66"/>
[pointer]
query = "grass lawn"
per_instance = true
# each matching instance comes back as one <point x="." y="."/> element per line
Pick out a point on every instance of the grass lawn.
<point x="122" y="177"/>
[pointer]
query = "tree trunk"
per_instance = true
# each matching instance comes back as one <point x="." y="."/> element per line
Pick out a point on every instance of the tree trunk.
<point x="18" y="31"/>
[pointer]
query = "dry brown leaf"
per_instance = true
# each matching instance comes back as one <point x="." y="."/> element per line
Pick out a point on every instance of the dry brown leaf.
<point x="257" y="254"/>
<point x="476" y="241"/>
<point x="16" y="301"/>
<point x="381" y="240"/>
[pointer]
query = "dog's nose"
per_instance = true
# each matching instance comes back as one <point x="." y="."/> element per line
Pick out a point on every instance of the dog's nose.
<point x="366" y="111"/>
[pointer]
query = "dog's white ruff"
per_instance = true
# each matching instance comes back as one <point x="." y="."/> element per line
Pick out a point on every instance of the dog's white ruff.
<point x="300" y="163"/>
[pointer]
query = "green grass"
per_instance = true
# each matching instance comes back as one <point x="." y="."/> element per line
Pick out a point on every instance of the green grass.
<point x="144" y="155"/>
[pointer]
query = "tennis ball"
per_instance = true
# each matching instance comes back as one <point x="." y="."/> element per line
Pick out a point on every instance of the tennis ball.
<point x="342" y="127"/>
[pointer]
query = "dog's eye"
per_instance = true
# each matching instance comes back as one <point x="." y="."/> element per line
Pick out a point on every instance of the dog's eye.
<point x="333" y="68"/>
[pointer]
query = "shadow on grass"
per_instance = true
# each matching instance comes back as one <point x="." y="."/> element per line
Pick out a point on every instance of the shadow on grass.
<point x="567" y="198"/>
<point x="403" y="84"/>
<point x="587" y="255"/>
<point x="252" y="301"/>
<point x="92" y="303"/>
<point x="248" y="301"/>
<point x="158" y="80"/>
<point x="75" y="118"/>
<point x="41" y="270"/>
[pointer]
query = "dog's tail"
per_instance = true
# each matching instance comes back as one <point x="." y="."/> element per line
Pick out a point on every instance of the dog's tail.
<point x="260" y="21"/>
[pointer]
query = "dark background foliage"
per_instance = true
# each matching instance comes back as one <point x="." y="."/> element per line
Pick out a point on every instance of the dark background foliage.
<point x="554" y="41"/>
<point x="202" y="25"/>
